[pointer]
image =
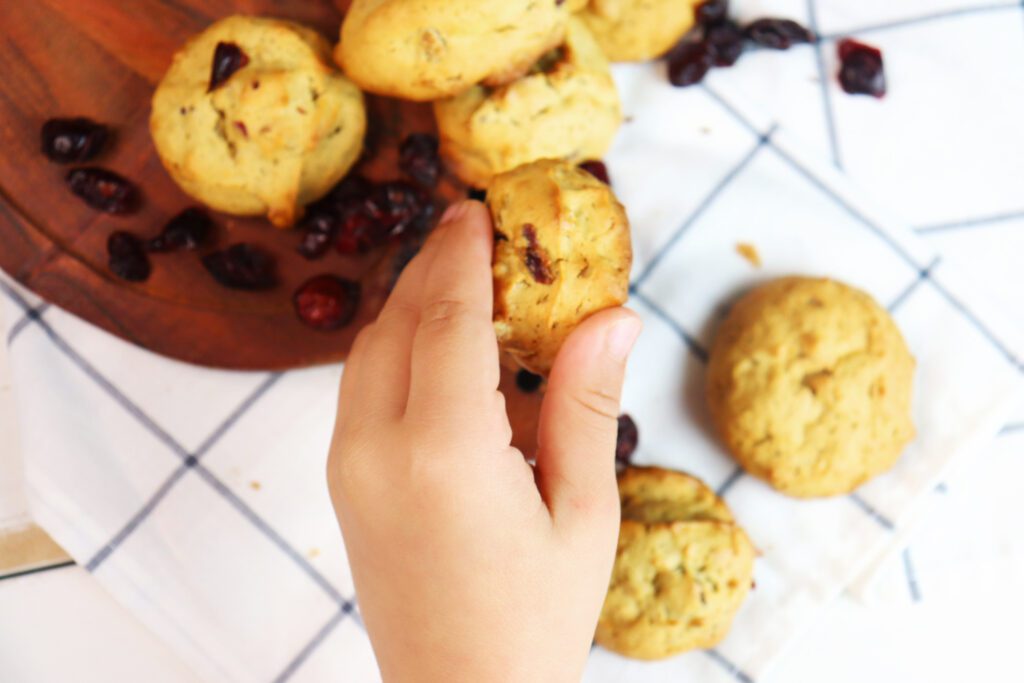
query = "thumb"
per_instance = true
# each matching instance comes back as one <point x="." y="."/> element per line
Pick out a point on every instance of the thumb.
<point x="579" y="416"/>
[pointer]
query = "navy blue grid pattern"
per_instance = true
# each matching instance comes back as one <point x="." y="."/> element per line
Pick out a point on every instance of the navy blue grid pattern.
<point x="314" y="643"/>
<point x="729" y="667"/>
<point x="823" y="81"/>
<point x="912" y="585"/>
<point x="30" y="315"/>
<point x="923" y="19"/>
<point x="191" y="461"/>
<point x="978" y="222"/>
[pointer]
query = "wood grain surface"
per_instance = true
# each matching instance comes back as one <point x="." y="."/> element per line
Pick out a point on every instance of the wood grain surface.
<point x="101" y="59"/>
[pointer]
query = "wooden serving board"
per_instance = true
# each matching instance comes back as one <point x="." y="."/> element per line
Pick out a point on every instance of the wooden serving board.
<point x="102" y="59"/>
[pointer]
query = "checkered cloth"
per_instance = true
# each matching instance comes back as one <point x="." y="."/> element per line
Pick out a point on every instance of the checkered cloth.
<point x="197" y="496"/>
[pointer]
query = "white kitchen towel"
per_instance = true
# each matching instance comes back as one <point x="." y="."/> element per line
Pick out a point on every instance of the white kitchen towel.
<point x="197" y="496"/>
<point x="945" y="148"/>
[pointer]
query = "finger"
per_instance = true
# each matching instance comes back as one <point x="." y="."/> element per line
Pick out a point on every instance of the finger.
<point x="579" y="416"/>
<point x="348" y="391"/>
<point x="455" y="351"/>
<point x="385" y="392"/>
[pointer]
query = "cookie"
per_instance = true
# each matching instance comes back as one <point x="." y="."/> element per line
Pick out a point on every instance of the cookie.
<point x="809" y="384"/>
<point x="636" y="30"/>
<point x="565" y="107"/>
<point x="428" y="49"/>
<point x="682" y="569"/>
<point x="561" y="253"/>
<point x="652" y="494"/>
<point x="276" y="127"/>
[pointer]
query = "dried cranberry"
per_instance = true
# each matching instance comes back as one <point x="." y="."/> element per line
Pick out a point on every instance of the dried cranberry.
<point x="626" y="439"/>
<point x="327" y="302"/>
<point x="103" y="190"/>
<point x="725" y="42"/>
<point x="477" y="194"/>
<point x="358" y="233"/>
<point x="778" y="34"/>
<point x="72" y="140"/>
<point x="711" y="11"/>
<point x="535" y="258"/>
<point x="597" y="169"/>
<point x="126" y="257"/>
<point x="399" y="208"/>
<point x="417" y="157"/>
<point x="689" y="63"/>
<point x="861" y="71"/>
<point x="318" y="227"/>
<point x="351" y="187"/>
<point x="242" y="266"/>
<point x="227" y="59"/>
<point x="528" y="382"/>
<point x="188" y="230"/>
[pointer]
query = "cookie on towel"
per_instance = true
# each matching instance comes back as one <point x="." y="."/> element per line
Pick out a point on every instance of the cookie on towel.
<point x="682" y="569"/>
<point x="809" y="384"/>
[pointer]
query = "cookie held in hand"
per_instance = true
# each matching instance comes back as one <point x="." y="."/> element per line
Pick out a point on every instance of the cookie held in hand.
<point x="253" y="119"/>
<point x="682" y="569"/>
<point x="809" y="384"/>
<point x="561" y="253"/>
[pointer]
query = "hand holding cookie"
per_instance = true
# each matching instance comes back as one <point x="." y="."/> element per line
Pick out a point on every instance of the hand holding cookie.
<point x="465" y="557"/>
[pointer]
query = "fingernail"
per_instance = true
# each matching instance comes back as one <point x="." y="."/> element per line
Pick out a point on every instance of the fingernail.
<point x="454" y="213"/>
<point x="621" y="337"/>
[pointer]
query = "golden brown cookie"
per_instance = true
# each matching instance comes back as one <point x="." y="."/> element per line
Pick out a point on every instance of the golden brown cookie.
<point x="682" y="568"/>
<point x="565" y="107"/>
<point x="809" y="384"/>
<point x="562" y="252"/>
<point x="428" y="49"/>
<point x="635" y="30"/>
<point x="276" y="133"/>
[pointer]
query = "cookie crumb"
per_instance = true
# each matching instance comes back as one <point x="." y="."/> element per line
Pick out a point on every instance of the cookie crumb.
<point x="255" y="485"/>
<point x="313" y="552"/>
<point x="749" y="252"/>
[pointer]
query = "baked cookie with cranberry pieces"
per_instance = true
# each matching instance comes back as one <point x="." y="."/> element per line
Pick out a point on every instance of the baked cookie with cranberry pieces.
<point x="252" y="118"/>
<point x="561" y="253"/>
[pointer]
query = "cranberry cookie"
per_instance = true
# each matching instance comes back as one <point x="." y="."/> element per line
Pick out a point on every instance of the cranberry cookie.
<point x="562" y="252"/>
<point x="252" y="118"/>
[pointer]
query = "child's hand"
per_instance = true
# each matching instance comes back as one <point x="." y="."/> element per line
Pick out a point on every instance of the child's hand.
<point x="469" y="564"/>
